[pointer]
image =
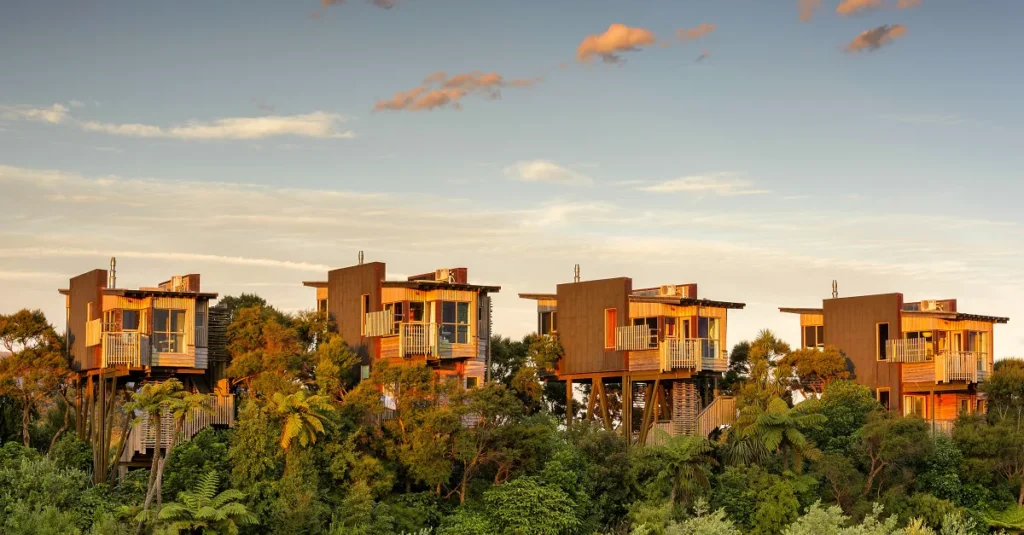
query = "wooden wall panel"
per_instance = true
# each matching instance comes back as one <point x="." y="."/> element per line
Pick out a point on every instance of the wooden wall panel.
<point x="345" y="288"/>
<point x="581" y="307"/>
<point x="919" y="372"/>
<point x="645" y="360"/>
<point x="850" y="326"/>
<point x="812" y="320"/>
<point x="84" y="289"/>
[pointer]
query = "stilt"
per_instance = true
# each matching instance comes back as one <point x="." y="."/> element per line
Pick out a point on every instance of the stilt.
<point x="627" y="409"/>
<point x="645" y="422"/>
<point x="568" y="402"/>
<point x="591" y="400"/>
<point x="603" y="398"/>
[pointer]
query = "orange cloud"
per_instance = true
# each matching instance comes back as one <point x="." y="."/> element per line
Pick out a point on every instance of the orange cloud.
<point x="807" y="8"/>
<point x="906" y="4"/>
<point x="695" y="33"/>
<point x="616" y="39"/>
<point x="876" y="38"/>
<point x="852" y="7"/>
<point x="448" y="92"/>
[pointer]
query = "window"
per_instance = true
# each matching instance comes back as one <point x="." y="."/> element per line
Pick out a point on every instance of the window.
<point x="965" y="406"/>
<point x="321" y="305"/>
<point x="200" y="316"/>
<point x="130" y="320"/>
<point x="547" y="323"/>
<point x="455" y="322"/>
<point x="882" y="395"/>
<point x="397" y="311"/>
<point x="914" y="405"/>
<point x="652" y="325"/>
<point x="364" y="372"/>
<point x="670" y="328"/>
<point x="416" y="311"/>
<point x="610" y="323"/>
<point x="364" y="307"/>
<point x="882" y="336"/>
<point x="471" y="382"/>
<point x="707" y="328"/>
<point x="928" y="341"/>
<point x="814" y="336"/>
<point x="168" y="331"/>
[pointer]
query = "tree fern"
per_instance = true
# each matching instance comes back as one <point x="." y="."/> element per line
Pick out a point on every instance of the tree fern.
<point x="203" y="510"/>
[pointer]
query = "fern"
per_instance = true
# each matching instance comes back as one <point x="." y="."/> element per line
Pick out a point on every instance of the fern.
<point x="202" y="508"/>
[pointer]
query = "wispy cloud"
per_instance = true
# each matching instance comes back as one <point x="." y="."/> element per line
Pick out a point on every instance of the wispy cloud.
<point x="689" y="34"/>
<point x="441" y="91"/>
<point x="618" y="38"/>
<point x="853" y="7"/>
<point x="45" y="252"/>
<point x="876" y="38"/>
<point x="807" y="9"/>
<point x="907" y="4"/>
<point x="937" y="119"/>
<point x="718" y="184"/>
<point x="546" y="171"/>
<point x="317" y="124"/>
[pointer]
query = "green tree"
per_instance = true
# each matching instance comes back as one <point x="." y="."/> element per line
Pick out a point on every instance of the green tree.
<point x="527" y="506"/>
<point x="335" y="368"/>
<point x="814" y="369"/>
<point x="888" y="443"/>
<point x="302" y="418"/>
<point x="846" y="406"/>
<point x="781" y="429"/>
<point x="1005" y="387"/>
<point x="994" y="448"/>
<point x="149" y="402"/>
<point x="769" y="377"/>
<point x="739" y="367"/>
<point x="203" y="510"/>
<point x="686" y="466"/>
<point x="36" y="366"/>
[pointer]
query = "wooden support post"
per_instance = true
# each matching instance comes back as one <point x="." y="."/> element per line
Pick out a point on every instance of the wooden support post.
<point x="645" y="422"/>
<point x="591" y="400"/>
<point x="627" y="409"/>
<point x="603" y="398"/>
<point x="568" y="402"/>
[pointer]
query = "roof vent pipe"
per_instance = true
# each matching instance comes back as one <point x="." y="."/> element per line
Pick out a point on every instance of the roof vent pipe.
<point x="835" y="289"/>
<point x="576" y="273"/>
<point x="112" y="276"/>
<point x="360" y="258"/>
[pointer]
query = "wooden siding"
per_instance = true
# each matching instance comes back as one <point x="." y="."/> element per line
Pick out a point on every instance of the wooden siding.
<point x="850" y="326"/>
<point x="345" y="288"/>
<point x="919" y="372"/>
<point x="581" y="307"/>
<point x="812" y="320"/>
<point x="645" y="360"/>
<point x="84" y="289"/>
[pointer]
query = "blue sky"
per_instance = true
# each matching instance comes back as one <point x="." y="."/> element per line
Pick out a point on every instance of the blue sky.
<point x="762" y="172"/>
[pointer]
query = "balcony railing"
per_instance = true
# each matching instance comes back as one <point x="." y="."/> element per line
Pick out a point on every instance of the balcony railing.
<point x="909" y="350"/>
<point x="949" y="367"/>
<point x="143" y="436"/>
<point x="423" y="339"/>
<point x="697" y="354"/>
<point x="380" y="323"/>
<point x="635" y="338"/>
<point x="93" y="332"/>
<point x="125" y="349"/>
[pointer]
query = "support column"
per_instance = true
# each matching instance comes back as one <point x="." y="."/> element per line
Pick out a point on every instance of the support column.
<point x="568" y="402"/>
<point x="627" y="408"/>
<point x="603" y="398"/>
<point x="591" y="400"/>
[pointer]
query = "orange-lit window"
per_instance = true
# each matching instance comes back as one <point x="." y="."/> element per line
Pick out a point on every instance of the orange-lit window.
<point x="610" y="323"/>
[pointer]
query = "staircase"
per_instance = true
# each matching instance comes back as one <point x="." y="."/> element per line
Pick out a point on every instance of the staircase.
<point x="721" y="411"/>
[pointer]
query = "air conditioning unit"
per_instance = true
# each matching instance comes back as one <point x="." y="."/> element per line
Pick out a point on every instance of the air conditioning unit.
<point x="930" y="305"/>
<point x="669" y="290"/>
<point x="443" y="275"/>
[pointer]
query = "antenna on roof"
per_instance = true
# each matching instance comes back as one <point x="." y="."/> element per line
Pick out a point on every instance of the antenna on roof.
<point x="576" y="273"/>
<point x="835" y="289"/>
<point x="112" y="276"/>
<point x="360" y="258"/>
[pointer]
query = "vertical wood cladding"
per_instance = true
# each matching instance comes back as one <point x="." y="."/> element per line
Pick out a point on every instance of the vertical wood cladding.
<point x="345" y="288"/>
<point x="581" y="307"/>
<point x="850" y="325"/>
<point x="85" y="288"/>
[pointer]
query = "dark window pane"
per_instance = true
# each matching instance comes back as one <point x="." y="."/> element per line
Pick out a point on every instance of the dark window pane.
<point x="416" y="311"/>
<point x="821" y="335"/>
<point x="177" y="321"/>
<point x="883" y="398"/>
<point x="130" y="320"/>
<point x="448" y="333"/>
<point x="160" y="320"/>
<point x="463" y="313"/>
<point x="883" y="337"/>
<point x="463" y="334"/>
<point x="447" y="312"/>
<point x="809" y="336"/>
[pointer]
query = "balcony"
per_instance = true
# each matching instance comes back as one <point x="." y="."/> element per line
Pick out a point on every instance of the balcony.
<point x="698" y="354"/>
<point x="129" y="349"/>
<point x="380" y="323"/>
<point x="949" y="367"/>
<point x="909" y="350"/>
<point x="635" y="338"/>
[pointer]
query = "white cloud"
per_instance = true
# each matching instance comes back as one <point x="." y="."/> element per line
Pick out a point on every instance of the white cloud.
<point x="317" y="124"/>
<point x="546" y="171"/>
<point x="718" y="184"/>
<point x="76" y="104"/>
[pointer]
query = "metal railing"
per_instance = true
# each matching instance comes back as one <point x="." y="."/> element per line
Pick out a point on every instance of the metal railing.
<point x="125" y="349"/>
<point x="380" y="323"/>
<point x="635" y="338"/>
<point x="908" y="350"/>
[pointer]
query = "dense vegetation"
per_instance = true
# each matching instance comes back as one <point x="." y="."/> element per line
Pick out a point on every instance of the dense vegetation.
<point x="314" y="450"/>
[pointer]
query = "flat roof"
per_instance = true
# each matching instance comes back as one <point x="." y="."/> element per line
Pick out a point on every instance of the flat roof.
<point x="790" y="310"/>
<point x="434" y="285"/>
<point x="158" y="293"/>
<point x="315" y="284"/>
<point x="956" y="316"/>
<point x="539" y="297"/>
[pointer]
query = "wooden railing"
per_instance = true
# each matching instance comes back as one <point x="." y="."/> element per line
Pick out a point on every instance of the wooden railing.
<point x="380" y="323"/>
<point x="423" y="339"/>
<point x="908" y="350"/>
<point x="721" y="411"/>
<point x="961" y="366"/>
<point x="697" y="354"/>
<point x="93" y="332"/>
<point x="142" y="436"/>
<point x="125" y="349"/>
<point x="634" y="338"/>
<point x="944" y="427"/>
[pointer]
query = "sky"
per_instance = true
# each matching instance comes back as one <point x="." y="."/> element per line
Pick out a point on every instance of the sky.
<point x="758" y="148"/>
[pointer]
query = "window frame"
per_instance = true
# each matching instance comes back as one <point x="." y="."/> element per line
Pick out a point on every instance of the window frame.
<point x="138" y="320"/>
<point x="888" y="392"/>
<point x="880" y="353"/>
<point x="547" y="322"/>
<point x="364" y="307"/>
<point x="457" y="327"/>
<point x="655" y="335"/>
<point x="609" y="330"/>
<point x="160" y="331"/>
<point x="819" y="337"/>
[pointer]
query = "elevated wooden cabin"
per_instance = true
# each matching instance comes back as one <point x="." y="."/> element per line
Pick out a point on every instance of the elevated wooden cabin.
<point x="922" y="357"/>
<point x="664" y="347"/>
<point x="437" y="318"/>
<point x="119" y="338"/>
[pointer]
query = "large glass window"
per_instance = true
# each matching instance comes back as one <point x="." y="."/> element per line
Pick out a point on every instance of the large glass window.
<point x="397" y="311"/>
<point x="814" y="336"/>
<point x="914" y="405"/>
<point x="547" y="323"/>
<point x="130" y="320"/>
<point x="168" y="331"/>
<point x="455" y="322"/>
<point x="416" y="311"/>
<point x="652" y="326"/>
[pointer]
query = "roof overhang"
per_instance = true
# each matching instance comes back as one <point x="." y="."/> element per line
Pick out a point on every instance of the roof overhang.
<point x="315" y="284"/>
<point x="790" y="310"/>
<point x="686" y="301"/>
<point x="124" y="292"/>
<point x="956" y="316"/>
<point x="539" y="297"/>
<point x="440" y="285"/>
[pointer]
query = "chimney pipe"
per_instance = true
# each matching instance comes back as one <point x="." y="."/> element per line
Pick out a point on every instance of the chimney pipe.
<point x="112" y="276"/>
<point x="360" y="258"/>
<point x="835" y="289"/>
<point x="576" y="273"/>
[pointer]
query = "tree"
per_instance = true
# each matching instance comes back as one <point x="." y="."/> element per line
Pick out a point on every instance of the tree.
<point x="846" y="406"/>
<point x="36" y="365"/>
<point x="149" y="402"/>
<point x="768" y="376"/>
<point x="267" y="353"/>
<point x="781" y="429"/>
<point x="815" y="369"/>
<point x="888" y="442"/>
<point x="994" y="447"/>
<point x="528" y="506"/>
<point x="685" y="469"/>
<point x="302" y="418"/>
<point x="202" y="510"/>
<point x="182" y="407"/>
<point x="739" y="367"/>
<point x="1005" y="387"/>
<point x="335" y="364"/>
